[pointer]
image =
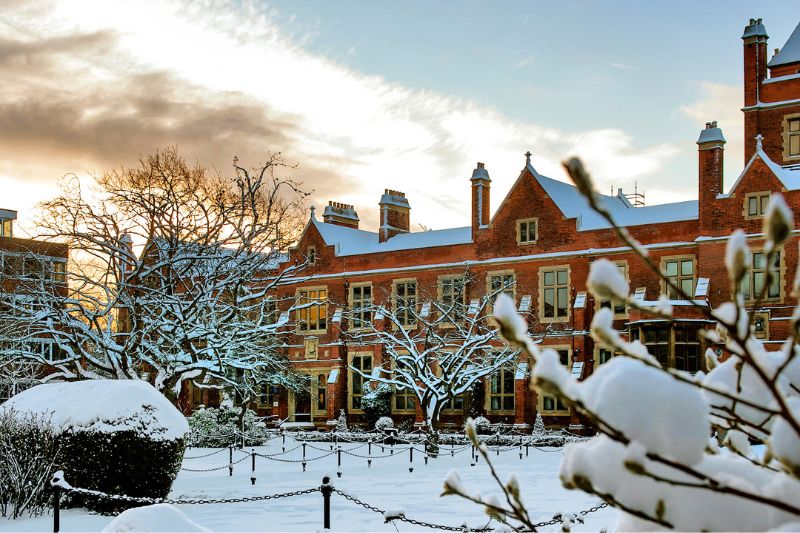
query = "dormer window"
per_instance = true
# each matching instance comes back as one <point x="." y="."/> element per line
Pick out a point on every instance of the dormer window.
<point x="526" y="231"/>
<point x="755" y="204"/>
<point x="791" y="137"/>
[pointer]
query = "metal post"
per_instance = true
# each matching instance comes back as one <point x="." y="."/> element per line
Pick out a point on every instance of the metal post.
<point x="304" y="451"/>
<point x="411" y="459"/>
<point x="230" y="460"/>
<point x="339" y="461"/>
<point x="56" y="508"/>
<point x="253" y="467"/>
<point x="526" y="449"/>
<point x="326" y="490"/>
<point x="369" y="447"/>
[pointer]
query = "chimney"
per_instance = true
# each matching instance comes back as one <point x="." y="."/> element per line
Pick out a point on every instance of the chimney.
<point x="394" y="214"/>
<point x="340" y="214"/>
<point x="754" y="40"/>
<point x="711" y="148"/>
<point x="481" y="184"/>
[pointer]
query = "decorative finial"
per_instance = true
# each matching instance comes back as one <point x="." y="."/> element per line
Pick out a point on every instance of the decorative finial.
<point x="528" y="155"/>
<point x="313" y="212"/>
<point x="759" y="138"/>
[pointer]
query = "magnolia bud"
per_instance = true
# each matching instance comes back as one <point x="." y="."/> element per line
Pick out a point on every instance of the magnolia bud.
<point x="580" y="177"/>
<point x="606" y="282"/>
<point x="778" y="221"/>
<point x="737" y="256"/>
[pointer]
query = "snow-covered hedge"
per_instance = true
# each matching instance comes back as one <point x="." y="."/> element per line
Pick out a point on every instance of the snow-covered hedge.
<point x="115" y="436"/>
<point x="383" y="423"/>
<point x="28" y="455"/>
<point x="211" y="428"/>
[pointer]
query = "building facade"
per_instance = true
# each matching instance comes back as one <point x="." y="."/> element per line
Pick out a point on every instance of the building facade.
<point x="24" y="264"/>
<point x="540" y="243"/>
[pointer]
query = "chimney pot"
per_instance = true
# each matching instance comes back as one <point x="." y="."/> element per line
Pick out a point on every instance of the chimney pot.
<point x="480" y="165"/>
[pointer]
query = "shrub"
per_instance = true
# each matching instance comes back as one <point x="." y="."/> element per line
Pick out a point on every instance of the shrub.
<point x="383" y="423"/>
<point x="211" y="427"/>
<point x="377" y="403"/>
<point x="29" y="451"/>
<point x="483" y="426"/>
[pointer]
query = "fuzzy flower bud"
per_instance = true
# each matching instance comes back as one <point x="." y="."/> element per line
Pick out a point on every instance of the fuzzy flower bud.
<point x="778" y="222"/>
<point x="606" y="282"/>
<point x="581" y="178"/>
<point x="737" y="256"/>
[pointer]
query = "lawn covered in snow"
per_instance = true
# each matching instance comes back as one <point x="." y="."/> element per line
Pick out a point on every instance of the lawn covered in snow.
<point x="387" y="484"/>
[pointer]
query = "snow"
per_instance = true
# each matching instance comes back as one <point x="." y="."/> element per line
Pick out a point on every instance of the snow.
<point x="606" y="282"/>
<point x="351" y="241"/>
<point x="106" y="406"/>
<point x="152" y="518"/>
<point x="784" y="442"/>
<point x="778" y="221"/>
<point x="737" y="255"/>
<point x="790" y="53"/>
<point x="387" y="484"/>
<point x="710" y="135"/>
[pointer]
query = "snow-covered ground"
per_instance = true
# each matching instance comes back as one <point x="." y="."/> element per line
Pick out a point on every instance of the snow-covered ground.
<point x="387" y="484"/>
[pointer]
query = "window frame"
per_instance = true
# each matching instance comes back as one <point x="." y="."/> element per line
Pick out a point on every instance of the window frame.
<point x="405" y="282"/>
<point x="680" y="260"/>
<point x="324" y="305"/>
<point x="761" y="206"/>
<point x="788" y="135"/>
<point x="315" y="385"/>
<point x="440" y="295"/>
<point x="540" y="396"/>
<point x="527" y="221"/>
<point x="511" y="291"/>
<point x="352" y="374"/>
<point x="360" y="323"/>
<point x="599" y="303"/>
<point x="555" y="269"/>
<point x="511" y="369"/>
<point x="781" y="269"/>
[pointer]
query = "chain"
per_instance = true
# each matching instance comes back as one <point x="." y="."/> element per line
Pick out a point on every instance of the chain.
<point x="295" y="460"/>
<point x="205" y="455"/>
<point x="191" y="501"/>
<point x="216" y="467"/>
<point x="402" y="516"/>
<point x="557" y="519"/>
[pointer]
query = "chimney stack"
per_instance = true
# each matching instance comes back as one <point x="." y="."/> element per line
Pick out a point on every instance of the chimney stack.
<point x="711" y="148"/>
<point x="754" y="40"/>
<point x="394" y="214"/>
<point x="340" y="214"/>
<point x="481" y="185"/>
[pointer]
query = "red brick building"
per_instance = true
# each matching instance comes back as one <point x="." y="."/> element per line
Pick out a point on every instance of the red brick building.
<point x="21" y="261"/>
<point x="545" y="237"/>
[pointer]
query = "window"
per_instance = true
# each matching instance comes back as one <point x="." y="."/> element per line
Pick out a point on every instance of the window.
<point x="454" y="404"/>
<point x="761" y="325"/>
<point x="405" y="301"/>
<point x="656" y="339"/>
<point x="552" y="404"/>
<point x="555" y="293"/>
<point x="268" y="395"/>
<point x="451" y="290"/>
<point x="604" y="356"/>
<point x="404" y="400"/>
<point x="360" y="302"/>
<point x="311" y="255"/>
<point x="687" y="348"/>
<point x="313" y="312"/>
<point x="322" y="393"/>
<point x="755" y="204"/>
<point x="501" y="390"/>
<point x="6" y="228"/>
<point x="680" y="271"/>
<point x="501" y="282"/>
<point x="357" y="381"/>
<point x="620" y="309"/>
<point x="762" y="281"/>
<point x="59" y="272"/>
<point x="526" y="231"/>
<point x="792" y="137"/>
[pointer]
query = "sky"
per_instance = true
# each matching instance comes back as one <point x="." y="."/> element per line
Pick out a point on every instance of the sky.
<point x="364" y="96"/>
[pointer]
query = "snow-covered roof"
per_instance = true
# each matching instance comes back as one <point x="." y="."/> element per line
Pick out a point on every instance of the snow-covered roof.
<point x="572" y="203"/>
<point x="103" y="405"/>
<point x="790" y="53"/>
<point x="711" y="133"/>
<point x="789" y="175"/>
<point x="754" y="29"/>
<point x="351" y="241"/>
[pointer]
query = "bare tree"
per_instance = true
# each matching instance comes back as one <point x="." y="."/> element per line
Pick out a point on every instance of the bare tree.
<point x="171" y="274"/>
<point x="654" y="422"/>
<point x="437" y="350"/>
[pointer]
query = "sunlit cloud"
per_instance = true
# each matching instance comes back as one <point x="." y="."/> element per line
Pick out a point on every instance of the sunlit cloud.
<point x="97" y="83"/>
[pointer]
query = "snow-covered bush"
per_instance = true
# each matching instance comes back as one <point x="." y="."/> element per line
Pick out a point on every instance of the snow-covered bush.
<point x="29" y="451"/>
<point x="384" y="423"/>
<point x="482" y="425"/>
<point x="212" y="427"/>
<point x="538" y="425"/>
<point x="115" y="436"/>
<point x="377" y="402"/>
<point x="153" y="518"/>
<point x="341" y="422"/>
<point x="654" y="459"/>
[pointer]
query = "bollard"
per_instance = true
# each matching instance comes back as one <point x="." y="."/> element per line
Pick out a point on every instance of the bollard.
<point x="426" y="458"/>
<point x="253" y="466"/>
<point x="304" y="451"/>
<point x="369" y="447"/>
<point x="411" y="459"/>
<point x="56" y="508"/>
<point x="326" y="490"/>
<point x="339" y="461"/>
<point x="369" y="463"/>
<point x="526" y="449"/>
<point x="230" y="460"/>
<point x="284" y="441"/>
<point x="304" y="466"/>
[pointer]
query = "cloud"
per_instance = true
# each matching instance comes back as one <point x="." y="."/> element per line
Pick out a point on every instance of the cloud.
<point x="722" y="103"/>
<point x="93" y="84"/>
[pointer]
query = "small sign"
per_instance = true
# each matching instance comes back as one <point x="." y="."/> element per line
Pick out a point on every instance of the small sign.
<point x="426" y="310"/>
<point x="580" y="300"/>
<point x="639" y="294"/>
<point x="702" y="288"/>
<point x="525" y="303"/>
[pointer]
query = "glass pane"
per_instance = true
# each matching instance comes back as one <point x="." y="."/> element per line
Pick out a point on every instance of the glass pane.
<point x="687" y="286"/>
<point x="562" y="277"/>
<point x="774" y="287"/>
<point x="776" y="261"/>
<point x="562" y="301"/>
<point x="744" y="288"/>
<point x="508" y="403"/>
<point x="549" y="278"/>
<point x="758" y="283"/>
<point x="547" y="403"/>
<point x="764" y="203"/>
<point x="794" y="145"/>
<point x="549" y="302"/>
<point x="672" y="268"/>
<point x="794" y="125"/>
<point x="759" y="260"/>
<point x="663" y="335"/>
<point x="495" y="405"/>
<point x="752" y="206"/>
<point x="563" y="356"/>
<point x="687" y="267"/>
<point x="495" y="384"/>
